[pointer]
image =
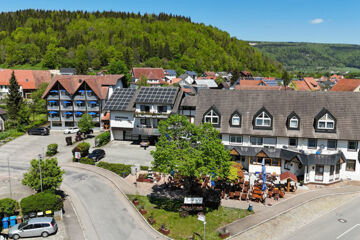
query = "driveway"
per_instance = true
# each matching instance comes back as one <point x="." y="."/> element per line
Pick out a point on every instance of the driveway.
<point x="104" y="212"/>
<point x="127" y="153"/>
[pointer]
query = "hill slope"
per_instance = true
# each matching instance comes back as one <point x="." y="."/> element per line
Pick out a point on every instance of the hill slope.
<point x="79" y="39"/>
<point x="313" y="56"/>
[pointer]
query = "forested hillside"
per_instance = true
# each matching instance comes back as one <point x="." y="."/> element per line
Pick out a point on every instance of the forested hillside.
<point x="53" y="39"/>
<point x="313" y="56"/>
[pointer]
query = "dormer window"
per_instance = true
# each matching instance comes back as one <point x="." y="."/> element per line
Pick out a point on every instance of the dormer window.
<point x="326" y="122"/>
<point x="235" y="119"/>
<point x="293" y="121"/>
<point x="212" y="116"/>
<point x="263" y="120"/>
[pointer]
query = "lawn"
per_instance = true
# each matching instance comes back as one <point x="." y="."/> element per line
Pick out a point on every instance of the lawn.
<point x="166" y="211"/>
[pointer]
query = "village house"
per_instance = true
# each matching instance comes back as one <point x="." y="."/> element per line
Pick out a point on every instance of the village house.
<point x="347" y="85"/>
<point x="29" y="80"/>
<point x="154" y="76"/>
<point x="335" y="78"/>
<point x="309" y="134"/>
<point x="69" y="97"/>
<point x="169" y="74"/>
<point x="3" y="118"/>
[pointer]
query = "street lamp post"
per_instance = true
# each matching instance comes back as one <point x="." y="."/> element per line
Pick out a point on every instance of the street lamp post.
<point x="41" y="186"/>
<point x="9" y="177"/>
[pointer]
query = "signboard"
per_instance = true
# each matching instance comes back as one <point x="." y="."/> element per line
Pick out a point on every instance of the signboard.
<point x="193" y="200"/>
<point x="201" y="217"/>
<point x="77" y="155"/>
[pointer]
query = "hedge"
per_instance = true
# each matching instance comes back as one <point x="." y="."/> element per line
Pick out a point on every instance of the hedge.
<point x="84" y="149"/>
<point x="102" y="139"/>
<point x="86" y="160"/>
<point x="117" y="168"/>
<point x="8" y="206"/>
<point x="51" y="149"/>
<point x="41" y="202"/>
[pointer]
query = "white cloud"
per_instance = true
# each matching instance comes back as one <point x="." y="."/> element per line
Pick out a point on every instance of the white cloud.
<point x="317" y="21"/>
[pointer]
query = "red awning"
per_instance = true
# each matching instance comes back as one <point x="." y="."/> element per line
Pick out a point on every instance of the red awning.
<point x="106" y="116"/>
<point x="288" y="175"/>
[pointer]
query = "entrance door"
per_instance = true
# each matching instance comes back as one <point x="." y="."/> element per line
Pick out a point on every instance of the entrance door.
<point x="319" y="173"/>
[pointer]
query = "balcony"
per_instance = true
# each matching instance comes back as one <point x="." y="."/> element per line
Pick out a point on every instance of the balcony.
<point x="90" y="95"/>
<point x="93" y="108"/>
<point x="53" y="107"/>
<point x="53" y="118"/>
<point x="79" y="108"/>
<point x="53" y="97"/>
<point x="146" y="131"/>
<point x="163" y="115"/>
<point x="67" y="117"/>
<point x="79" y="96"/>
<point x="64" y="95"/>
<point x="67" y="107"/>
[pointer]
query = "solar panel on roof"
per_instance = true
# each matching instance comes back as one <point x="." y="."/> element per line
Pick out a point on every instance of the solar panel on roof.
<point x="156" y="95"/>
<point x="120" y="99"/>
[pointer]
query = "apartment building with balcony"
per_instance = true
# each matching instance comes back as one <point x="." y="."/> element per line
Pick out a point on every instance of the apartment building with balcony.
<point x="136" y="113"/>
<point x="69" y="97"/>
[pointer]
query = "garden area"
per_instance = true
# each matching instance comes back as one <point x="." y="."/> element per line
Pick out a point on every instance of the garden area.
<point x="165" y="211"/>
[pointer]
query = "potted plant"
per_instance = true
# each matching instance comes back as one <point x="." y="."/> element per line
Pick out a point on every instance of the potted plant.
<point x="136" y="201"/>
<point x="142" y="210"/>
<point x="163" y="229"/>
<point x="151" y="219"/>
<point x="224" y="233"/>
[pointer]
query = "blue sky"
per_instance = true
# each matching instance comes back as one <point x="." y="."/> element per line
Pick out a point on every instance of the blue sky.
<point x="327" y="21"/>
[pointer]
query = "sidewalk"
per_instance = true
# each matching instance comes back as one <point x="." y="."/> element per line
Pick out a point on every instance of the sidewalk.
<point x="269" y="213"/>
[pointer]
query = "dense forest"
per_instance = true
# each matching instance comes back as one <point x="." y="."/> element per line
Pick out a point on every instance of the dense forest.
<point x="313" y="56"/>
<point x="53" y="39"/>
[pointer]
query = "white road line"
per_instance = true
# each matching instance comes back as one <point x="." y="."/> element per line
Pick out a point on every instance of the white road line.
<point x="347" y="231"/>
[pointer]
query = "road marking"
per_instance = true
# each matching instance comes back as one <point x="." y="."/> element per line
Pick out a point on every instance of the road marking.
<point x="347" y="231"/>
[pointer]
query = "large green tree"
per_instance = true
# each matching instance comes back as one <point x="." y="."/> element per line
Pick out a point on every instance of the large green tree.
<point x="190" y="150"/>
<point x="38" y="104"/>
<point x="86" y="123"/>
<point x="14" y="99"/>
<point x="51" y="175"/>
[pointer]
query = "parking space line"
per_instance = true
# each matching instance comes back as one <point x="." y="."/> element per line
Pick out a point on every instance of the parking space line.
<point x="347" y="231"/>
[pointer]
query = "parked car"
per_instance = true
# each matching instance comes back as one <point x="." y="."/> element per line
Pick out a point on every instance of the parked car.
<point x="71" y="130"/>
<point x="35" y="227"/>
<point x="85" y="133"/>
<point x="97" y="154"/>
<point x="39" y="131"/>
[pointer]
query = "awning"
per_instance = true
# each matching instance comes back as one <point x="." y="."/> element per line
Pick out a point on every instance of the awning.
<point x="52" y="101"/>
<point x="81" y="90"/>
<point x="54" y="91"/>
<point x="68" y="113"/>
<point x="52" y="112"/>
<point x="80" y="113"/>
<point x="288" y="175"/>
<point x="93" y="102"/>
<point x="67" y="102"/>
<point x="79" y="101"/>
<point x="88" y="90"/>
<point x="92" y="113"/>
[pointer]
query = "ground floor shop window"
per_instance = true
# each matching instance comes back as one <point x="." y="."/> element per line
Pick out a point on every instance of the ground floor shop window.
<point x="319" y="172"/>
<point x="56" y="124"/>
<point x="69" y="124"/>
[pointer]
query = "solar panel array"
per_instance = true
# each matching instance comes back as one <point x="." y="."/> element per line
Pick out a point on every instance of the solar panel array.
<point x="164" y="95"/>
<point x="120" y="99"/>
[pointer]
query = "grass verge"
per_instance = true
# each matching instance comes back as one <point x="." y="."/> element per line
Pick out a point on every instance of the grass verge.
<point x="165" y="211"/>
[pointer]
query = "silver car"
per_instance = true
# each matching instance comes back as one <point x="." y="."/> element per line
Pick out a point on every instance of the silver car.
<point x="35" y="227"/>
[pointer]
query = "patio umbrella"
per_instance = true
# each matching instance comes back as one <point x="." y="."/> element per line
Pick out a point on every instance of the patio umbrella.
<point x="263" y="175"/>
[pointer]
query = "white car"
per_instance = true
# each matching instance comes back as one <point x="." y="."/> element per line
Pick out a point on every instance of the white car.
<point x="71" y="130"/>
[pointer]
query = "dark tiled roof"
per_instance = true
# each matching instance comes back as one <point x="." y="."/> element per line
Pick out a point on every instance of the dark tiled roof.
<point x="342" y="105"/>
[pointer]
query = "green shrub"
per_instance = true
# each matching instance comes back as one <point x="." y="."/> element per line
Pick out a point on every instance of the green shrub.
<point x="117" y="168"/>
<point x="51" y="149"/>
<point x="8" y="206"/>
<point x="41" y="202"/>
<point x="102" y="139"/>
<point x="86" y="160"/>
<point x="84" y="149"/>
<point x="144" y="168"/>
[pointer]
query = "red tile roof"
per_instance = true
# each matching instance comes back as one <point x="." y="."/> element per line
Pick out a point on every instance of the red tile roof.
<point x="106" y="116"/>
<point x="27" y="79"/>
<point x="288" y="175"/>
<point x="335" y="77"/>
<point x="242" y="87"/>
<point x="300" y="85"/>
<point x="175" y="80"/>
<point x="312" y="84"/>
<point x="252" y="83"/>
<point x="346" y="85"/>
<point x="149" y="73"/>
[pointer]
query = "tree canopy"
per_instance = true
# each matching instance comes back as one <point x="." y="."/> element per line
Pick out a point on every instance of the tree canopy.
<point x="83" y="40"/>
<point x="14" y="100"/>
<point x="86" y="123"/>
<point x="190" y="150"/>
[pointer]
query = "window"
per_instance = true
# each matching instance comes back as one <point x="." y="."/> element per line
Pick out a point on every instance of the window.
<point x="287" y="165"/>
<point x="331" y="144"/>
<point x="326" y="122"/>
<point x="28" y="227"/>
<point x="319" y="170"/>
<point x="212" y="117"/>
<point x="235" y="139"/>
<point x="337" y="169"/>
<point x="350" y="165"/>
<point x="293" y="142"/>
<point x="162" y="109"/>
<point x="332" y="169"/>
<point x="269" y="141"/>
<point x="352" y="145"/>
<point x="144" y="108"/>
<point x="263" y="120"/>
<point x="294" y="122"/>
<point x="235" y="121"/>
<point x="256" y="140"/>
<point x="312" y="143"/>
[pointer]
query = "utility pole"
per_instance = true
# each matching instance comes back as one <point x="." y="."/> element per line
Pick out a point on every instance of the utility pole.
<point x="8" y="159"/>
<point x="41" y="186"/>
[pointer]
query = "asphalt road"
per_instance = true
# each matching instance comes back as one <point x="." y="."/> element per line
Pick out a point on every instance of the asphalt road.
<point x="106" y="214"/>
<point x="342" y="223"/>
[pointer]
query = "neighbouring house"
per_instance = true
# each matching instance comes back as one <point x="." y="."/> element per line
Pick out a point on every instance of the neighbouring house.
<point x="154" y="76"/>
<point x="209" y="83"/>
<point x="312" y="84"/>
<point x="258" y="87"/>
<point x="323" y="79"/>
<point x="69" y="97"/>
<point x="307" y="133"/>
<point x="176" y="81"/>
<point x="246" y="74"/>
<point x="307" y="84"/>
<point x="135" y="113"/>
<point x="335" y="78"/>
<point x="208" y="75"/>
<point x="347" y="85"/>
<point x="187" y="79"/>
<point x="192" y="74"/>
<point x="29" y="80"/>
<point x="3" y="118"/>
<point x="169" y="74"/>
<point x="67" y="71"/>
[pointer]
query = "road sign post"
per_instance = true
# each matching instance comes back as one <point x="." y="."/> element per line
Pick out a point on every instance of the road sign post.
<point x="201" y="217"/>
